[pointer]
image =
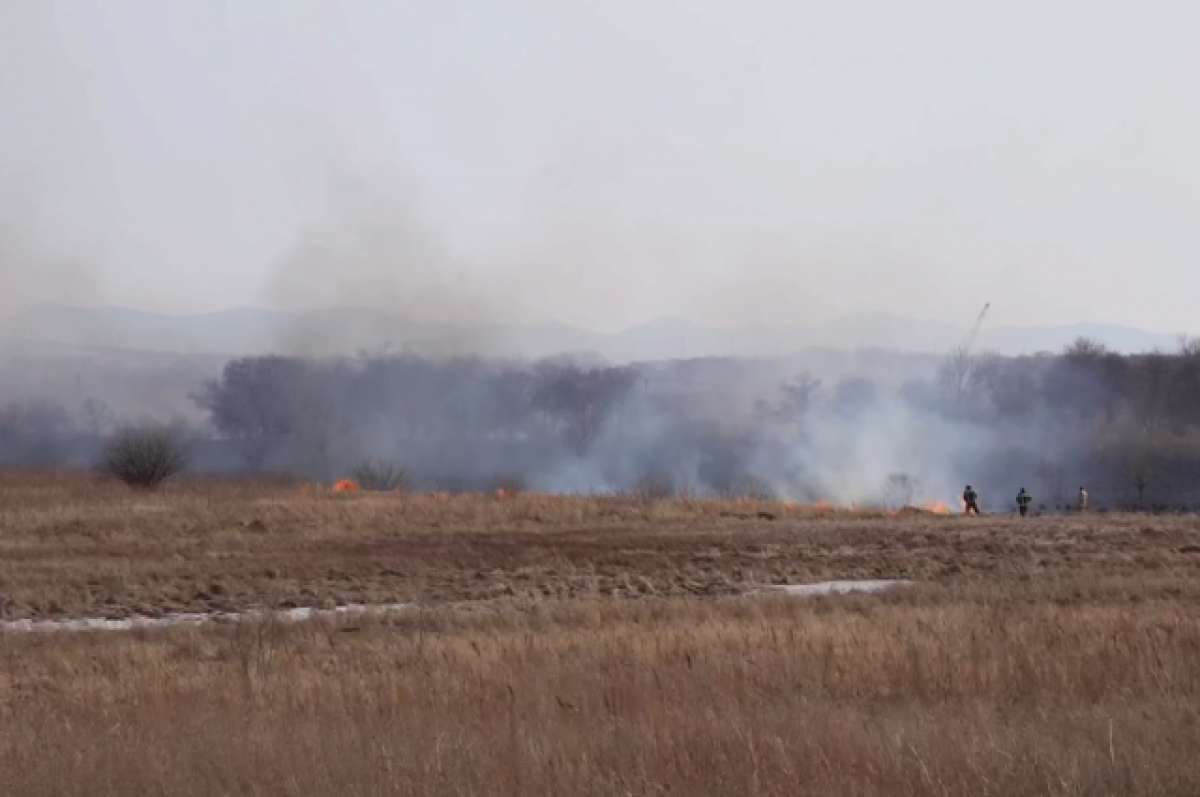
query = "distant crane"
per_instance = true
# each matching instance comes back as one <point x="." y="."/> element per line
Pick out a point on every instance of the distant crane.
<point x="958" y="368"/>
<point x="975" y="330"/>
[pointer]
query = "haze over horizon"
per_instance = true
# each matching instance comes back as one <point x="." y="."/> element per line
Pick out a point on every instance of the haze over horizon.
<point x="604" y="164"/>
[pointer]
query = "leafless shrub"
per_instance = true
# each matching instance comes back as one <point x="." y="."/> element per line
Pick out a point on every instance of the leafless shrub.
<point x="144" y="457"/>
<point x="380" y="476"/>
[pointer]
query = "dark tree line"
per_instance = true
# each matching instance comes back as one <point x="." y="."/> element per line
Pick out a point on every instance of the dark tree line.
<point x="261" y="403"/>
<point x="1138" y="416"/>
<point x="1084" y="385"/>
<point x="321" y="418"/>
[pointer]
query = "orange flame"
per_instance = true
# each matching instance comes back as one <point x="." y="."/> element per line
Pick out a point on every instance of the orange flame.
<point x="346" y="486"/>
<point x="824" y="505"/>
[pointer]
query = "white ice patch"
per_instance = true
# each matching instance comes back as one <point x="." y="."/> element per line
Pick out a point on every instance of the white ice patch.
<point x="303" y="614"/>
<point x="838" y="587"/>
<point x="196" y="618"/>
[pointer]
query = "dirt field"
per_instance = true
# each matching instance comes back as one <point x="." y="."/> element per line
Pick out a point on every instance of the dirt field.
<point x="72" y="546"/>
<point x="592" y="647"/>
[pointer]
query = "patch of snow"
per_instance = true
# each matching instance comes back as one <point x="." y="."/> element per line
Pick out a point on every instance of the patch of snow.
<point x="838" y="587"/>
<point x="195" y="618"/>
<point x="303" y="614"/>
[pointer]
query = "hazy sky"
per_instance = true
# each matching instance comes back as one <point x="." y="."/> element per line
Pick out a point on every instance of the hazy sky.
<point x="606" y="162"/>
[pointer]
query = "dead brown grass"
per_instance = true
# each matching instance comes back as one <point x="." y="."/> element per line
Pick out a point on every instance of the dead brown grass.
<point x="936" y="692"/>
<point x="74" y="545"/>
<point x="611" y="657"/>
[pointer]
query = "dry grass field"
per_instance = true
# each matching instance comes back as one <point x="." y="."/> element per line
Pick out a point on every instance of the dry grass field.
<point x="71" y="545"/>
<point x="577" y="646"/>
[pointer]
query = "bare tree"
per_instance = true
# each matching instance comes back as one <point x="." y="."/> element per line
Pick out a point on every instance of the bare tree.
<point x="580" y="402"/>
<point x="1139" y="463"/>
<point x="1085" y="348"/>
<point x="1082" y="385"/>
<point x="795" y="401"/>
<point x="1139" y="472"/>
<point x="253" y="403"/>
<point x="1004" y="386"/>
<point x="1184" y="401"/>
<point x="954" y="377"/>
<point x="1152" y="391"/>
<point x="1187" y="345"/>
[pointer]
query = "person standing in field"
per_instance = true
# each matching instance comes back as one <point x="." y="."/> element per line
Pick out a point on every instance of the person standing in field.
<point x="1083" y="499"/>
<point x="970" y="501"/>
<point x="1024" y="499"/>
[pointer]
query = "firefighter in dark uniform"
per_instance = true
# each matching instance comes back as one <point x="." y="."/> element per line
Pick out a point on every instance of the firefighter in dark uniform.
<point x="1024" y="499"/>
<point x="970" y="501"/>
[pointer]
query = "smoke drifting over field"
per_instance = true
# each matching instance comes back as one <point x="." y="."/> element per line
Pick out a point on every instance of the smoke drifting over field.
<point x="867" y="428"/>
<point x="838" y="430"/>
<point x="810" y="429"/>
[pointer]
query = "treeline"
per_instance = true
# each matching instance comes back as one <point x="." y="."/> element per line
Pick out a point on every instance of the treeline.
<point x="322" y="413"/>
<point x="1084" y="384"/>
<point x="1130" y="422"/>
<point x="1124" y="423"/>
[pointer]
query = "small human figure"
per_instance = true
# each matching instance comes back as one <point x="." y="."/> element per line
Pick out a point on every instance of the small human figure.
<point x="1024" y="499"/>
<point x="1083" y="499"/>
<point x="970" y="501"/>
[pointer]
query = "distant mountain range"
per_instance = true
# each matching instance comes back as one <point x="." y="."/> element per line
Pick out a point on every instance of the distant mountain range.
<point x="348" y="330"/>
